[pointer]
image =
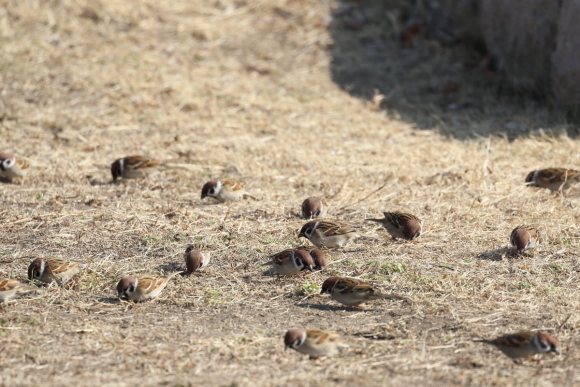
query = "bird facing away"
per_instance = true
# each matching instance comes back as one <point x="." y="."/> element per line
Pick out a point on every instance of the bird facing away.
<point x="313" y="208"/>
<point x="320" y="261"/>
<point x="401" y="225"/>
<point x="195" y="259"/>
<point x="524" y="237"/>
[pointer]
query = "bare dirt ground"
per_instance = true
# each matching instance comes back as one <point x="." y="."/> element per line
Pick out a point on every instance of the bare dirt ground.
<point x="277" y="94"/>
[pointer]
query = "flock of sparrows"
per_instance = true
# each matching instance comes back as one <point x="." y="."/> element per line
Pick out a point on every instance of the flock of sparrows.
<point x="323" y="234"/>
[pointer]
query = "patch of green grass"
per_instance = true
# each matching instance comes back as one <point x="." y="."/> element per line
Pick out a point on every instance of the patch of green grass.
<point x="557" y="267"/>
<point x="211" y="296"/>
<point x="393" y="267"/>
<point x="150" y="239"/>
<point x="177" y="237"/>
<point x="310" y="287"/>
<point x="267" y="332"/>
<point x="267" y="241"/>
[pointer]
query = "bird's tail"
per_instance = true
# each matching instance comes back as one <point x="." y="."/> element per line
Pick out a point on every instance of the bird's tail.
<point x="188" y="167"/>
<point x="390" y="296"/>
<point x="27" y="289"/>
<point x="173" y="274"/>
<point x="482" y="341"/>
<point x="366" y="237"/>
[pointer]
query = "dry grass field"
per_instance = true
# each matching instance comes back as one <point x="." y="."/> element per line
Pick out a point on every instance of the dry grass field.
<point x="276" y="93"/>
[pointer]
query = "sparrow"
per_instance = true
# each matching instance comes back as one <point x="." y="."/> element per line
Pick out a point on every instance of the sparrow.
<point x="327" y="234"/>
<point x="12" y="167"/>
<point x="554" y="179"/>
<point x="524" y="344"/>
<point x="142" y="288"/>
<point x="225" y="190"/>
<point x="291" y="261"/>
<point x="133" y="167"/>
<point x="313" y="342"/>
<point x="319" y="258"/>
<point x="524" y="238"/>
<point x="352" y="291"/>
<point x="52" y="269"/>
<point x="313" y="208"/>
<point x="401" y="225"/>
<point x="10" y="288"/>
<point x="195" y="259"/>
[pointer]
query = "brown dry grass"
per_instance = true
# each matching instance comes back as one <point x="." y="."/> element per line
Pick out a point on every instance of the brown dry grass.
<point x="244" y="90"/>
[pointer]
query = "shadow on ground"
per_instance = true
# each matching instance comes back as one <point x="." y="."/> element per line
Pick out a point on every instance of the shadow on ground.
<point x="495" y="255"/>
<point x="427" y="84"/>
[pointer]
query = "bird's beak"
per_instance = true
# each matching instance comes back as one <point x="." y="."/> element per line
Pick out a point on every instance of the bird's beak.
<point x="286" y="347"/>
<point x="203" y="196"/>
<point x="557" y="350"/>
<point x="301" y="235"/>
<point x="310" y="267"/>
<point x="322" y="291"/>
